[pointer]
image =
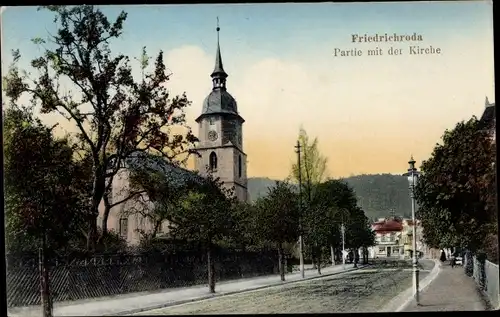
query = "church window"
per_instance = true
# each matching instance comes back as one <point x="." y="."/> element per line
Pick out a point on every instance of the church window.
<point x="239" y="166"/>
<point x="213" y="161"/>
<point x="123" y="227"/>
<point x="212" y="121"/>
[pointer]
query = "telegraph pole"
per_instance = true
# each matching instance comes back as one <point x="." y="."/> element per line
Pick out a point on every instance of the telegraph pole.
<point x="301" y="244"/>
<point x="343" y="241"/>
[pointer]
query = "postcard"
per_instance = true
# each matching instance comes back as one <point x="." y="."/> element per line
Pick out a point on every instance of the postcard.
<point x="249" y="158"/>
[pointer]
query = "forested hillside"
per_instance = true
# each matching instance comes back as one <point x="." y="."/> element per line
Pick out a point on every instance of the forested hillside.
<point x="377" y="194"/>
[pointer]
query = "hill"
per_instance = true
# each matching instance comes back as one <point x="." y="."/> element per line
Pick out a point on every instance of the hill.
<point x="377" y="194"/>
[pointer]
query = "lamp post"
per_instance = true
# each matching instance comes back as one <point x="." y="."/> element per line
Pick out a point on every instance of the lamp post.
<point x="301" y="243"/>
<point x="412" y="180"/>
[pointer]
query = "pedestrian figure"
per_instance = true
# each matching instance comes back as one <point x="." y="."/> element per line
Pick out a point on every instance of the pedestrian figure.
<point x="443" y="256"/>
<point x="452" y="260"/>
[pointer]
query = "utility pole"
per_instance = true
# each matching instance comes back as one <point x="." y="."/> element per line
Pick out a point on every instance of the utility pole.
<point x="343" y="241"/>
<point x="301" y="244"/>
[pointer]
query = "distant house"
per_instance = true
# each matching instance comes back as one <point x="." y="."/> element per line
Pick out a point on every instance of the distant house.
<point x="388" y="234"/>
<point x="408" y="238"/>
<point x="130" y="224"/>
<point x="393" y="238"/>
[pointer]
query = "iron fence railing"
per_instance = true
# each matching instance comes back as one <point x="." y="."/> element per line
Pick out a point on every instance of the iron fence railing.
<point x="485" y="273"/>
<point x="110" y="275"/>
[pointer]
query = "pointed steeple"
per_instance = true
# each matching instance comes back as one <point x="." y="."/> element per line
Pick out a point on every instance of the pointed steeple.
<point x="218" y="75"/>
<point x="487" y="102"/>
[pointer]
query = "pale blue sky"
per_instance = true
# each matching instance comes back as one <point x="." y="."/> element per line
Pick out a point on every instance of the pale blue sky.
<point x="369" y="113"/>
<point x="264" y="30"/>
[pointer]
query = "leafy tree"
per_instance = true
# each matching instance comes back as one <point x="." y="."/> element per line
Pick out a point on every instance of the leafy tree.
<point x="451" y="190"/>
<point x="162" y="191"/>
<point x="309" y="174"/>
<point x="358" y="232"/>
<point x="204" y="216"/>
<point x="321" y="223"/>
<point x="243" y="234"/>
<point x="313" y="165"/>
<point x="42" y="203"/>
<point x="115" y="114"/>
<point x="277" y="219"/>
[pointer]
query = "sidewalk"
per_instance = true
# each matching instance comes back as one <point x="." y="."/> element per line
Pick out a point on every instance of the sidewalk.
<point x="133" y="303"/>
<point x="452" y="290"/>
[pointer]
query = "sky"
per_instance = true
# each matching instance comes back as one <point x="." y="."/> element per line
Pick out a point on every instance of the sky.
<point x="369" y="113"/>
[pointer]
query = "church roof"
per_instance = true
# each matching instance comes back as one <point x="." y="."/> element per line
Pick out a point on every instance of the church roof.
<point x="176" y="175"/>
<point x="218" y="69"/>
<point x="219" y="101"/>
<point x="487" y="120"/>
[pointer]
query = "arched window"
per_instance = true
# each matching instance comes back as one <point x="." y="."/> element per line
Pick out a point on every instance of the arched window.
<point x="239" y="166"/>
<point x="213" y="161"/>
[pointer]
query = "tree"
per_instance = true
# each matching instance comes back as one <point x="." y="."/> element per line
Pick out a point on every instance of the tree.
<point x="321" y="225"/>
<point x="204" y="216"/>
<point x="277" y="219"/>
<point x="313" y="165"/>
<point x="309" y="174"/>
<point x="162" y="186"/>
<point x="452" y="188"/>
<point x="115" y="114"/>
<point x="42" y="203"/>
<point x="358" y="232"/>
<point x="243" y="235"/>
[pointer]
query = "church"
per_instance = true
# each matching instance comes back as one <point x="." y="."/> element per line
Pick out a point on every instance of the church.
<point x="220" y="151"/>
<point x="221" y="134"/>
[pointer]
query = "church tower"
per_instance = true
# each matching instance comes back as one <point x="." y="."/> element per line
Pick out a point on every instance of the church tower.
<point x="220" y="134"/>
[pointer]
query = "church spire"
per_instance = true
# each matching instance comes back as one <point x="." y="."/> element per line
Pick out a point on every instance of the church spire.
<point x="218" y="75"/>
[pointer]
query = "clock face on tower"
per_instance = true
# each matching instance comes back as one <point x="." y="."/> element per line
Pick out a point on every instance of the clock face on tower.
<point x="212" y="135"/>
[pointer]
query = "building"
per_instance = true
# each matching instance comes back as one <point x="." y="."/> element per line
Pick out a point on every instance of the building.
<point x="488" y="119"/>
<point x="221" y="153"/>
<point x="393" y="238"/>
<point x="407" y="236"/>
<point x="388" y="238"/>
<point x="221" y="134"/>
<point x="130" y="219"/>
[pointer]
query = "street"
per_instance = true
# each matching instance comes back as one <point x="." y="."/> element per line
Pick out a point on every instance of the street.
<point x="364" y="290"/>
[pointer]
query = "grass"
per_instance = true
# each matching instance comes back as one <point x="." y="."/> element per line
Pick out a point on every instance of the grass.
<point x="360" y="291"/>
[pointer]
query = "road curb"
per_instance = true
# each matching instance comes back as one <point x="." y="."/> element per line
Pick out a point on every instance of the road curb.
<point x="191" y="300"/>
<point x="407" y="295"/>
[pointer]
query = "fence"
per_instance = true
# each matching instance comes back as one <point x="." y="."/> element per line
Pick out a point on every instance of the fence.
<point x="108" y="275"/>
<point x="486" y="276"/>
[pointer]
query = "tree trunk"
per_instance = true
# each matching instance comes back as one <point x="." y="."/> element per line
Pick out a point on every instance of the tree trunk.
<point x="211" y="268"/>
<point x="281" y="261"/>
<point x="44" y="280"/>
<point x="318" y="259"/>
<point x="105" y="215"/>
<point x="98" y="189"/>
<point x="156" y="228"/>
<point x="104" y="225"/>
<point x="332" y="254"/>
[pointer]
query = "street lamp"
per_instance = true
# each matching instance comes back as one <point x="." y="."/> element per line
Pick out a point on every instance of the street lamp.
<point x="301" y="243"/>
<point x="412" y="180"/>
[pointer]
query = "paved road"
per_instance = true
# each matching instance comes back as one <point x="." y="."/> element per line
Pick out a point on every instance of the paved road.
<point x="452" y="290"/>
<point x="364" y="290"/>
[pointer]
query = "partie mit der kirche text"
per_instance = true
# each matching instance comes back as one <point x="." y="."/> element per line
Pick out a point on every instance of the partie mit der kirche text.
<point x="408" y="44"/>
